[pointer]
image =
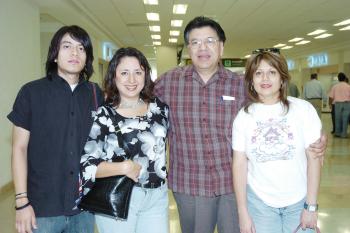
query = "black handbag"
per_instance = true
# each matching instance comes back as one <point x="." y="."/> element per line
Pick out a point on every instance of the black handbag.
<point x="110" y="195"/>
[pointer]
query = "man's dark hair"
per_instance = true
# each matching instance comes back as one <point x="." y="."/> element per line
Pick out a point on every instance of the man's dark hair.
<point x="110" y="87"/>
<point x="341" y="77"/>
<point x="81" y="36"/>
<point x="200" y="22"/>
<point x="313" y="76"/>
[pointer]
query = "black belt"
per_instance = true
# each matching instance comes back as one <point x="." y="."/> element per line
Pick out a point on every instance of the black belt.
<point x="314" y="98"/>
<point x="151" y="185"/>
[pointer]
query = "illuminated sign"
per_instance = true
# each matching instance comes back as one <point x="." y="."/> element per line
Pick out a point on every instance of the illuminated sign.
<point x="315" y="60"/>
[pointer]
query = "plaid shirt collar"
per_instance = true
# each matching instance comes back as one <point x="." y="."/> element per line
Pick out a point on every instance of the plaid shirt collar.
<point x="191" y="73"/>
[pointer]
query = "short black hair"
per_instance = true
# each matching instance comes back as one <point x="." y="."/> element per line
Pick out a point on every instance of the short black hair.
<point x="341" y="77"/>
<point x="313" y="76"/>
<point x="78" y="34"/>
<point x="202" y="21"/>
<point x="109" y="85"/>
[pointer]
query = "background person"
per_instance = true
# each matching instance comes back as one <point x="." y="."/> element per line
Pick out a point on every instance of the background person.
<point x="314" y="93"/>
<point x="143" y="122"/>
<point x="276" y="178"/>
<point x="339" y="96"/>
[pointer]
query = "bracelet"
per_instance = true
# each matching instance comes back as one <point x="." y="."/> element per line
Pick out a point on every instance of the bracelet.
<point x="20" y="197"/>
<point x="19" y="194"/>
<point x="23" y="206"/>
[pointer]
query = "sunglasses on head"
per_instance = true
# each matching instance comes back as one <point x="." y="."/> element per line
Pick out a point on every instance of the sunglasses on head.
<point x="272" y="50"/>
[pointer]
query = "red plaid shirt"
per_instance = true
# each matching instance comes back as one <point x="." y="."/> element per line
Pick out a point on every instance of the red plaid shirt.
<point x="201" y="129"/>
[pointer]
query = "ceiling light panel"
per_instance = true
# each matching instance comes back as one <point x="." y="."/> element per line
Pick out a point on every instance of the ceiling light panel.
<point x="303" y="42"/>
<point x="157" y="43"/>
<point x="173" y="40"/>
<point x="150" y="2"/>
<point x="152" y="16"/>
<point x="180" y="9"/>
<point x="287" y="47"/>
<point x="345" y="28"/>
<point x="322" y="36"/>
<point x="174" y="33"/>
<point x="176" y="23"/>
<point x="156" y="37"/>
<point x="296" y="39"/>
<point x="154" y="28"/>
<point x="316" y="32"/>
<point x="279" y="45"/>
<point x="342" y="23"/>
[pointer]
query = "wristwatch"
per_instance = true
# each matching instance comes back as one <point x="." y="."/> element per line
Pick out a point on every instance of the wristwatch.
<point x="311" y="207"/>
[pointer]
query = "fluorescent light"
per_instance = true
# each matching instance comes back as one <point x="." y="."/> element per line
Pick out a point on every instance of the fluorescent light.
<point x="180" y="9"/>
<point x="155" y="37"/>
<point x="345" y="28"/>
<point x="173" y="40"/>
<point x="157" y="43"/>
<point x="316" y="32"/>
<point x="296" y="39"/>
<point x="150" y="2"/>
<point x="279" y="45"/>
<point x="154" y="28"/>
<point x="247" y="56"/>
<point x="174" y="33"/>
<point x="342" y="23"/>
<point x="325" y="35"/>
<point x="176" y="23"/>
<point x="303" y="42"/>
<point x="152" y="16"/>
<point x="287" y="47"/>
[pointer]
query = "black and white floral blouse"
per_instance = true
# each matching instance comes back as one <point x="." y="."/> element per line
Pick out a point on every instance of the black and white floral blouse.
<point x="145" y="137"/>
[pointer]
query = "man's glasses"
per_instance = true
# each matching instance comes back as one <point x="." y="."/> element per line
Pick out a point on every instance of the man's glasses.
<point x="272" y="50"/>
<point x="210" y="42"/>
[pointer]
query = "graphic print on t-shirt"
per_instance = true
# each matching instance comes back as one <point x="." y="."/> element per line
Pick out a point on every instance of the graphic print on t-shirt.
<point x="272" y="140"/>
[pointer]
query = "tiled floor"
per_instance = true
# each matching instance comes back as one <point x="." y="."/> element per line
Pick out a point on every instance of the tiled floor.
<point x="334" y="197"/>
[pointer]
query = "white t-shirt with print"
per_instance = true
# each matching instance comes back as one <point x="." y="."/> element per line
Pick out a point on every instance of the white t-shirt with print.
<point x="275" y="146"/>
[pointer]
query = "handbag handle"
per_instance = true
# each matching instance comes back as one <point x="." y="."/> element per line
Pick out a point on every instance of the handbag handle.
<point x="296" y="230"/>
<point x="94" y="95"/>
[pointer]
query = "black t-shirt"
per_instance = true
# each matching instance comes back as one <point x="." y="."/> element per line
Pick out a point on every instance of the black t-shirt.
<point x="59" y="121"/>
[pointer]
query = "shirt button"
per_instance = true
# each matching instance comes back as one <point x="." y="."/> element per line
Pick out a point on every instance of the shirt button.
<point x="71" y="152"/>
<point x="72" y="113"/>
<point x="71" y="172"/>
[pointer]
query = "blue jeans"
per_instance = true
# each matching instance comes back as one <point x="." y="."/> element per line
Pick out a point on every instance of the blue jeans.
<point x="80" y="223"/>
<point x="148" y="213"/>
<point x="342" y="115"/>
<point x="268" y="219"/>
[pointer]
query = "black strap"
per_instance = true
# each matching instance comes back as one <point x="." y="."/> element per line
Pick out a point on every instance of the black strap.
<point x="94" y="95"/>
<point x="120" y="136"/>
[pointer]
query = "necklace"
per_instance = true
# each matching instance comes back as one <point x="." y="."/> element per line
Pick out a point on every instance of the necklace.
<point x="131" y="104"/>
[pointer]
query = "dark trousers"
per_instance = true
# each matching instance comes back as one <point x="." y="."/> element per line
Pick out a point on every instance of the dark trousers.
<point x="201" y="214"/>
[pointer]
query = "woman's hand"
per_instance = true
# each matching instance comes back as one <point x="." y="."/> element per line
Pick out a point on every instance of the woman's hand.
<point x="132" y="170"/>
<point x="308" y="219"/>
<point x="246" y="224"/>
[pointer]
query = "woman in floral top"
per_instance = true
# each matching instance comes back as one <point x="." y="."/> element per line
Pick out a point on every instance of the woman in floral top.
<point x="142" y="120"/>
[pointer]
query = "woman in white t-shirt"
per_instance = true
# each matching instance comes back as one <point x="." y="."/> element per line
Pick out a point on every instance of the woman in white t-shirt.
<point x="276" y="178"/>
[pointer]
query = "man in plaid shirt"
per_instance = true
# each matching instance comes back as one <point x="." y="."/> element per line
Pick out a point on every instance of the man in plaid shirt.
<point x="204" y="99"/>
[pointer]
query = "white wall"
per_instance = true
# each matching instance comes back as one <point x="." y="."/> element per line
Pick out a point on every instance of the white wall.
<point x="19" y="63"/>
<point x="166" y="59"/>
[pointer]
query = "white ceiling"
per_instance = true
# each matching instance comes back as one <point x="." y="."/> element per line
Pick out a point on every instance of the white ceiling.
<point x="249" y="24"/>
